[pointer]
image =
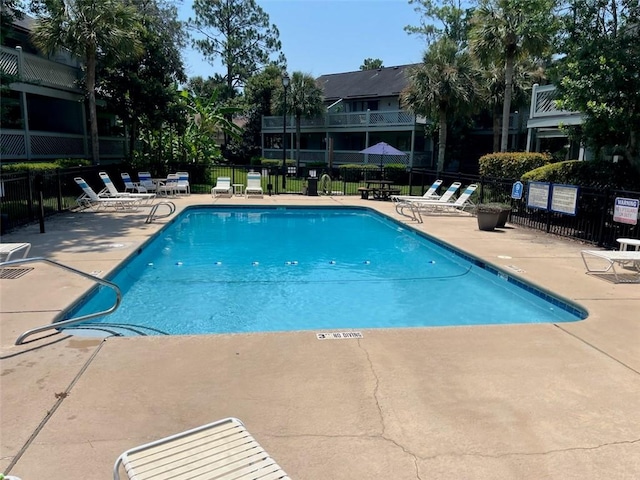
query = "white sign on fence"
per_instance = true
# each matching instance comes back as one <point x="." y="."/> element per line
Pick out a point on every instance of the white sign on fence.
<point x="538" y="195"/>
<point x="564" y="199"/>
<point x="625" y="210"/>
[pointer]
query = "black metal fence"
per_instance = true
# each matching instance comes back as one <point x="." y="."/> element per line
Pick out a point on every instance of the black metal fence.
<point x="27" y="198"/>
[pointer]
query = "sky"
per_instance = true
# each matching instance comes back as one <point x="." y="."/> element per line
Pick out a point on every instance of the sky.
<point x="331" y="36"/>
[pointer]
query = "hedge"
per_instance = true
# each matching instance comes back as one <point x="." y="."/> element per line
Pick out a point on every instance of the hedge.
<point x="511" y="165"/>
<point x="599" y="174"/>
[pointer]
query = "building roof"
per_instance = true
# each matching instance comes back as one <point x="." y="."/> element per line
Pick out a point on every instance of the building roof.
<point x="382" y="82"/>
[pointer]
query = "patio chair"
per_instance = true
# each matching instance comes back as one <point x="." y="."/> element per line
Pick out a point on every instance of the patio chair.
<point x="254" y="185"/>
<point x="112" y="191"/>
<point x="222" y="188"/>
<point x="405" y="201"/>
<point x="146" y="181"/>
<point x="130" y="185"/>
<point x="461" y="204"/>
<point x="183" y="183"/>
<point x="13" y="251"/>
<point x="430" y="194"/>
<point x="91" y="200"/>
<point x="168" y="187"/>
<point x="609" y="259"/>
<point x="218" y="450"/>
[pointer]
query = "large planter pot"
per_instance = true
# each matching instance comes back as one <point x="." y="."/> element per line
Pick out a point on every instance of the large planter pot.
<point x="503" y="217"/>
<point x="487" y="220"/>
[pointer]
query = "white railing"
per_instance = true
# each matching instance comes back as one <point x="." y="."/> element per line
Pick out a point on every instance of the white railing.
<point x="37" y="70"/>
<point x="47" y="145"/>
<point x="543" y="102"/>
<point x="380" y="118"/>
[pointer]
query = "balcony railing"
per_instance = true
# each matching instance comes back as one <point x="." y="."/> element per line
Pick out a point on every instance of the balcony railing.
<point x="544" y="113"/>
<point x="37" y="70"/>
<point x="18" y="145"/>
<point x="380" y="118"/>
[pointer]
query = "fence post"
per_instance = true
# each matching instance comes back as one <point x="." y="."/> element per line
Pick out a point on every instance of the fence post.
<point x="59" y="183"/>
<point x="481" y="189"/>
<point x="30" y="195"/>
<point x="603" y="214"/>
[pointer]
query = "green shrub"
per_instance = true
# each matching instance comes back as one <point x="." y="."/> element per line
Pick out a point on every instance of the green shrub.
<point x="397" y="173"/>
<point x="353" y="172"/>
<point x="511" y="165"/>
<point x="44" y="166"/>
<point x="599" y="174"/>
<point x="271" y="163"/>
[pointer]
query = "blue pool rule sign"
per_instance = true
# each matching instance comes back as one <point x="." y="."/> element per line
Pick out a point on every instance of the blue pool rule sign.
<point x="516" y="190"/>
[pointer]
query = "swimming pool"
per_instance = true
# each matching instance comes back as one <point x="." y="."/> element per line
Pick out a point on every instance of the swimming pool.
<point x="236" y="269"/>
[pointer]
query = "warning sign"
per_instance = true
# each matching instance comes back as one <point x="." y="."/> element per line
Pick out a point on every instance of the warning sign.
<point x="338" y="335"/>
<point x="626" y="210"/>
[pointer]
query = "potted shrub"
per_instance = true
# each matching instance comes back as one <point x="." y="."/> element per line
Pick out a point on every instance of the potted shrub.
<point x="504" y="214"/>
<point x="488" y="215"/>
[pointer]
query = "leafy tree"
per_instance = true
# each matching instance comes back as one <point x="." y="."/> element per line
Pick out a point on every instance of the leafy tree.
<point x="257" y="100"/>
<point x="141" y="90"/>
<point x="205" y="88"/>
<point x="442" y="87"/>
<point x="304" y="99"/>
<point x="445" y="82"/>
<point x="238" y="33"/>
<point x="206" y="117"/>
<point x="492" y="89"/>
<point x="371" y="64"/>
<point x="599" y="74"/>
<point x="90" y="30"/>
<point x="515" y="29"/>
<point x="446" y="18"/>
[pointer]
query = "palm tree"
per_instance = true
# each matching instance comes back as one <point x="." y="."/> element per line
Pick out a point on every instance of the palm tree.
<point x="515" y="29"/>
<point x="492" y="89"/>
<point x="89" y="29"/>
<point x="443" y="84"/>
<point x="304" y="99"/>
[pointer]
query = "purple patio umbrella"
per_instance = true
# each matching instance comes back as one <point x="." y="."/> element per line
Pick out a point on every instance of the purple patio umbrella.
<point x="382" y="149"/>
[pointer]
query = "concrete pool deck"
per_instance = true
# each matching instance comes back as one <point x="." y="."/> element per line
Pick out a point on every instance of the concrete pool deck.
<point x="543" y="401"/>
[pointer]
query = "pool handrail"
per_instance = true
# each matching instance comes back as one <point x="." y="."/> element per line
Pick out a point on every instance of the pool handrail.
<point x="71" y="321"/>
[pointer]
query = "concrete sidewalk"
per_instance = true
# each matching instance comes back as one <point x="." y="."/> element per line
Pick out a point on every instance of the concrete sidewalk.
<point x="542" y="401"/>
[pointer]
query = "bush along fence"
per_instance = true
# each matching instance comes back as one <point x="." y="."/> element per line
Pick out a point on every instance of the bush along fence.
<point x="30" y="196"/>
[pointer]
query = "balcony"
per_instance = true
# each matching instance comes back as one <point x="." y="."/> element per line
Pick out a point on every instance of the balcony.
<point x="35" y="70"/>
<point x="381" y="119"/>
<point x="545" y="114"/>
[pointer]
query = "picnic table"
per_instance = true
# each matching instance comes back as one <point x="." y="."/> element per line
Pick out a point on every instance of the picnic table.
<point x="379" y="190"/>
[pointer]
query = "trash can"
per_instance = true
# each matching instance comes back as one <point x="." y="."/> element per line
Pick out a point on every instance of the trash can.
<point x="312" y="186"/>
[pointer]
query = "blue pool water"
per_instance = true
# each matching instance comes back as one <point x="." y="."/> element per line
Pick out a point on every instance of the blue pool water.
<point x="222" y="270"/>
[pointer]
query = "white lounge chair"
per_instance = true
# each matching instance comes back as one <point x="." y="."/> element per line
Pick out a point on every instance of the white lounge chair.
<point x="607" y="261"/>
<point x="169" y="187"/>
<point x="219" y="450"/>
<point x="130" y="185"/>
<point x="183" y="185"/>
<point x="112" y="191"/>
<point x="222" y="188"/>
<point x="430" y="194"/>
<point x="90" y="199"/>
<point x="146" y="181"/>
<point x="461" y="204"/>
<point x="254" y="185"/>
<point x="13" y="251"/>
<point x="406" y="202"/>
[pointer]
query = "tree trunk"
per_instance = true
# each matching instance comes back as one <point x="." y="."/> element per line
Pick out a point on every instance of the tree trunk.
<point x="93" y="116"/>
<point x="496" y="127"/>
<point x="298" y="122"/>
<point x="442" y="139"/>
<point x="506" y="108"/>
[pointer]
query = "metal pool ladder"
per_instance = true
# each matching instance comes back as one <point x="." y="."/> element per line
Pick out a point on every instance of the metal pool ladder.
<point x="154" y="209"/>
<point x="72" y="321"/>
